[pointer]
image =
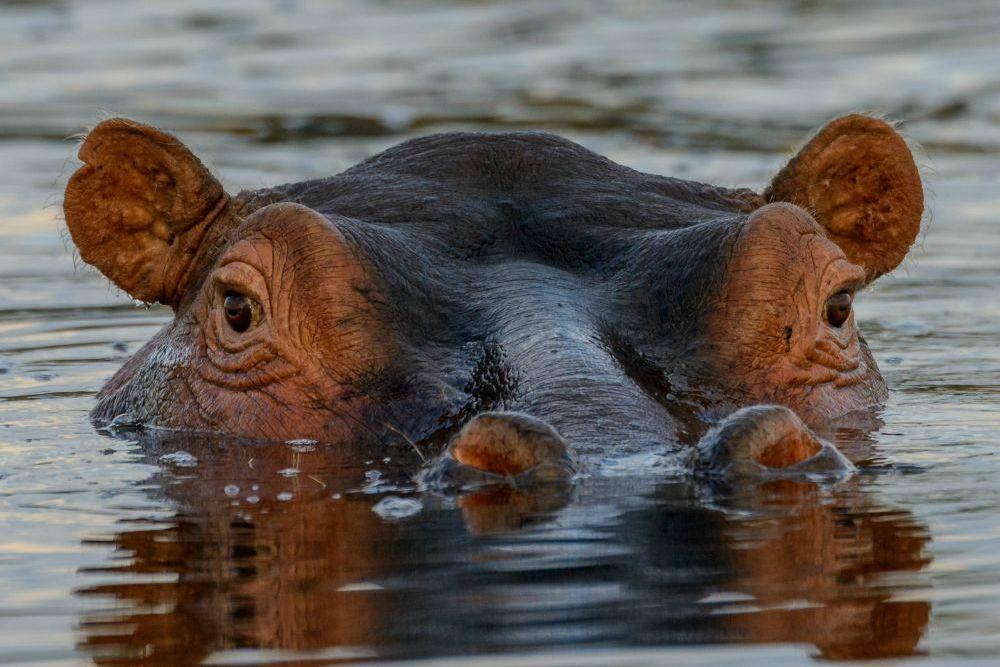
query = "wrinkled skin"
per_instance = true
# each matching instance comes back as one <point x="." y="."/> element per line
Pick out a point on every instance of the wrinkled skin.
<point x="517" y="295"/>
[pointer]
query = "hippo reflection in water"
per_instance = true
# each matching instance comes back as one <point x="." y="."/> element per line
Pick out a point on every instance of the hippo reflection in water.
<point x="515" y="295"/>
<point x="636" y="561"/>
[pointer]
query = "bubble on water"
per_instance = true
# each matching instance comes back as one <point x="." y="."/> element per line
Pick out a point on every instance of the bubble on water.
<point x="180" y="459"/>
<point x="301" y="442"/>
<point x="387" y="459"/>
<point x="253" y="500"/>
<point x="374" y="483"/>
<point x="359" y="586"/>
<point x="255" y="487"/>
<point x="337" y="496"/>
<point x="285" y="495"/>
<point x="231" y="490"/>
<point x="726" y="596"/>
<point x="394" y="508"/>
<point x="289" y="472"/>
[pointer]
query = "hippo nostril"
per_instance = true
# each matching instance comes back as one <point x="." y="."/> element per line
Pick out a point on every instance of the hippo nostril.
<point x="766" y="439"/>
<point x="507" y="443"/>
<point x="498" y="445"/>
<point x="785" y="452"/>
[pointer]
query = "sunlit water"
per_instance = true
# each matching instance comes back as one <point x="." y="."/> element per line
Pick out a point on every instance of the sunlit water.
<point x="187" y="550"/>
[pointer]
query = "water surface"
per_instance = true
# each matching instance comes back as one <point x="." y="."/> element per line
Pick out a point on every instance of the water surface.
<point x="181" y="549"/>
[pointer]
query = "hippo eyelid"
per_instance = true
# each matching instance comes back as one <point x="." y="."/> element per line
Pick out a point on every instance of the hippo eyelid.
<point x="242" y="277"/>
<point x="851" y="287"/>
<point x="839" y="275"/>
<point x="243" y="262"/>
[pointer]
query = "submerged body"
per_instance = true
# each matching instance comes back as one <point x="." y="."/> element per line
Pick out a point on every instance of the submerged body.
<point x="514" y="294"/>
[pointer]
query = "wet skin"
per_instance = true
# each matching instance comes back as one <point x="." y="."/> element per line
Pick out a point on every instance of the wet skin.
<point x="528" y="302"/>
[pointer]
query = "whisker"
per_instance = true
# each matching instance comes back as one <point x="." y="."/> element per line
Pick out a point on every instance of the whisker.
<point x="408" y="440"/>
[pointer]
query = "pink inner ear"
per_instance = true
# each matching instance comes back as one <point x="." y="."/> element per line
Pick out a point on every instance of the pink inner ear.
<point x="859" y="179"/>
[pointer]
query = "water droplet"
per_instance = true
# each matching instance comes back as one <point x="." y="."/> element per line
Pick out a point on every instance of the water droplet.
<point x="123" y="422"/>
<point x="289" y="472"/>
<point x="231" y="490"/>
<point x="253" y="500"/>
<point x="285" y="495"/>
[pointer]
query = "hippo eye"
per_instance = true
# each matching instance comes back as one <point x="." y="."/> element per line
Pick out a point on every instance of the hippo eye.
<point x="838" y="309"/>
<point x="241" y="311"/>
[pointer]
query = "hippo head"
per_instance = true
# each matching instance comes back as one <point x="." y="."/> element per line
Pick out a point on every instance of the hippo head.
<point x="462" y="274"/>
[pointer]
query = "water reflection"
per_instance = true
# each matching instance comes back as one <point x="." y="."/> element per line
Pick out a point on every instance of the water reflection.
<point x="278" y="547"/>
<point x="825" y="571"/>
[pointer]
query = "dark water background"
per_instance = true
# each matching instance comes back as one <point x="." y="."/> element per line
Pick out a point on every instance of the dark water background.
<point x="189" y="550"/>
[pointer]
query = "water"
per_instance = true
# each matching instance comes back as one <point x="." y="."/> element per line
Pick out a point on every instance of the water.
<point x="186" y="550"/>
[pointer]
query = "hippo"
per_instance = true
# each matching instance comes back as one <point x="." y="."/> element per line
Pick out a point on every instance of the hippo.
<point x="511" y="305"/>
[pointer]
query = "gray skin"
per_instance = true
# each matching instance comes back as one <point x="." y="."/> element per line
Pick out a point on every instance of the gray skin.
<point x="521" y="275"/>
<point x="537" y="287"/>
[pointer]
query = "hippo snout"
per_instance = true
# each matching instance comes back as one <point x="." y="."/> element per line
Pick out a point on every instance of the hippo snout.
<point x="761" y="441"/>
<point x="502" y="447"/>
<point x="766" y="441"/>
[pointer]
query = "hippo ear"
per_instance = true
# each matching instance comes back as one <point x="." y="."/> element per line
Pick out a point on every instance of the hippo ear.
<point x="139" y="207"/>
<point x="858" y="177"/>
